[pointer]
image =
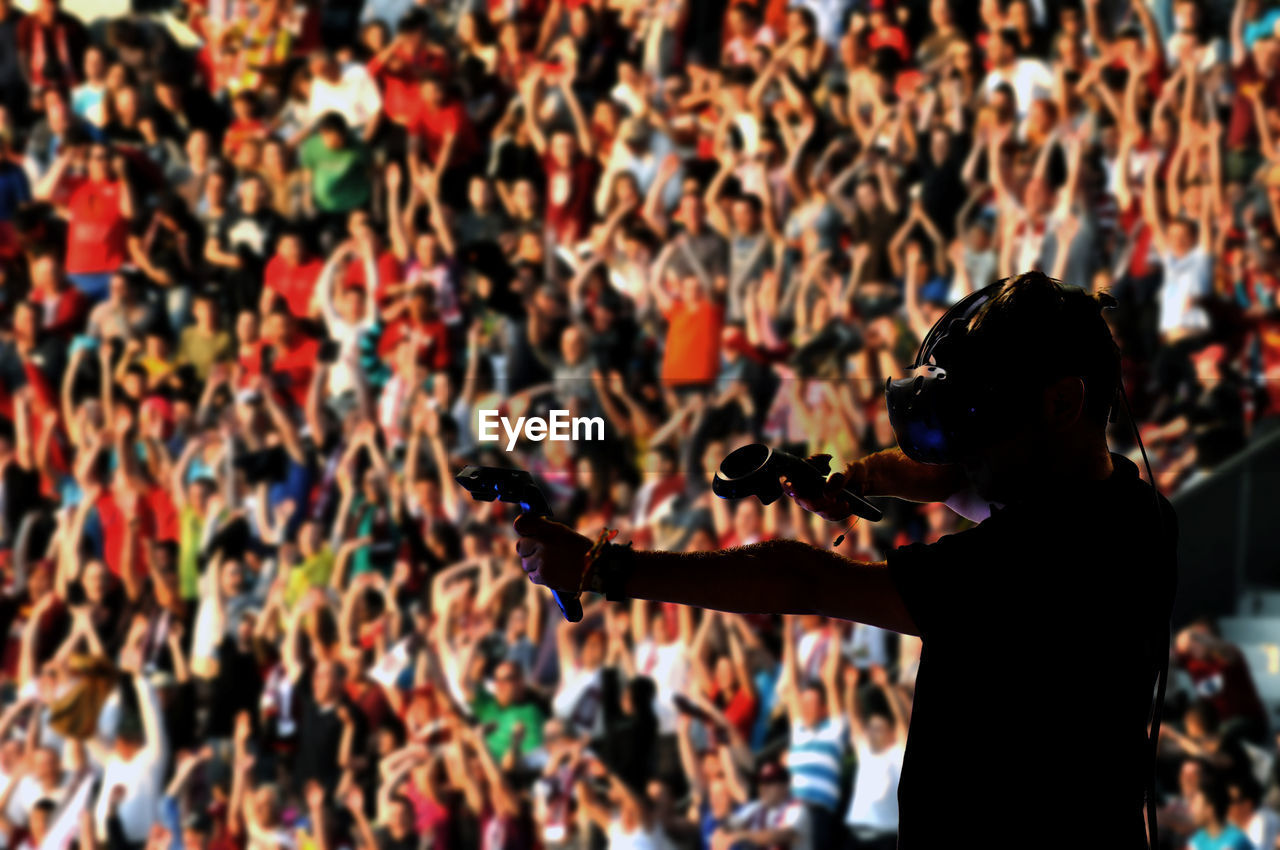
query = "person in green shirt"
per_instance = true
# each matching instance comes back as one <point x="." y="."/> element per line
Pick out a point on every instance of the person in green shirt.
<point x="204" y="344"/>
<point x="337" y="166"/>
<point x="314" y="566"/>
<point x="193" y="497"/>
<point x="517" y="720"/>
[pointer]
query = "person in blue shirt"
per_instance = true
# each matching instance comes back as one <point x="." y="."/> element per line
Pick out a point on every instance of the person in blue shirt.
<point x="15" y="190"/>
<point x="1209" y="812"/>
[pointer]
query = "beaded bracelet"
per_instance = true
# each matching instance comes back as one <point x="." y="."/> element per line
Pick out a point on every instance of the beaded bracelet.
<point x="593" y="555"/>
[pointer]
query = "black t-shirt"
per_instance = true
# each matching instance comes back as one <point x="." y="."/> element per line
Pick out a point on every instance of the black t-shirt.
<point x="1042" y="628"/>
<point x="877" y="230"/>
<point x="253" y="233"/>
<point x="320" y="737"/>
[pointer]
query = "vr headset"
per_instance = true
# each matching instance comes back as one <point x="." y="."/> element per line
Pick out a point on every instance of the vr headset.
<point x="936" y="413"/>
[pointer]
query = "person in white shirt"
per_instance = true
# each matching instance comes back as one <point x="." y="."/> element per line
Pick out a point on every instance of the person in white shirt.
<point x="46" y="781"/>
<point x="872" y="817"/>
<point x="775" y="819"/>
<point x="133" y="772"/>
<point x="1184" y="247"/>
<point x="349" y="314"/>
<point x="577" y="700"/>
<point x="1030" y="79"/>
<point x="345" y="88"/>
<point x="662" y="657"/>
<point x="624" y="815"/>
<point x="1261" y="825"/>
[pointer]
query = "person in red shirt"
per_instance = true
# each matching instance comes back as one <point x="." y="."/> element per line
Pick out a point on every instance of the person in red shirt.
<point x="418" y="321"/>
<point x="1220" y="674"/>
<point x="98" y="206"/>
<point x="290" y="276"/>
<point x="442" y="140"/>
<point x="399" y="67"/>
<point x="63" y="309"/>
<point x="390" y="275"/>
<point x="118" y="507"/>
<point x="884" y="31"/>
<point x="51" y="45"/>
<point x="287" y="356"/>
<point x="744" y="31"/>
<point x="245" y="126"/>
<point x="568" y="159"/>
<point x="1256" y="75"/>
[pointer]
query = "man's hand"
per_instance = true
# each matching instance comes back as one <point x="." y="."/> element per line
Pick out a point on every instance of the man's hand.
<point x="831" y="504"/>
<point x="550" y="552"/>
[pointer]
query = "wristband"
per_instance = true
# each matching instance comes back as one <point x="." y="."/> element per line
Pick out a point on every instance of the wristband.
<point x="614" y="568"/>
<point x="589" y="571"/>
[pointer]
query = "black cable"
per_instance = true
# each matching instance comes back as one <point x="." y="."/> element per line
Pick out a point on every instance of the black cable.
<point x="1161" y="644"/>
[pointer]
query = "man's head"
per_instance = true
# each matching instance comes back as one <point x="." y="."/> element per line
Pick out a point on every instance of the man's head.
<point x="333" y="130"/>
<point x="400" y="817"/>
<point x="195" y="831"/>
<point x="867" y="194"/>
<point x="326" y="682"/>
<point x="290" y="246"/>
<point x="773" y="784"/>
<point x="1210" y="803"/>
<point x="508" y="683"/>
<point x="1031" y="382"/>
<point x="325" y="66"/>
<point x="813" y="703"/>
<point x="746" y="213"/>
<point x="564" y="146"/>
<point x="1189" y="776"/>
<point x="1003" y="49"/>
<point x="41" y="816"/>
<point x="252" y="193"/>
<point x="573" y="345"/>
<point x="1245" y="795"/>
<point x="744" y="19"/>
<point x="48" y="766"/>
<point x="692" y="211"/>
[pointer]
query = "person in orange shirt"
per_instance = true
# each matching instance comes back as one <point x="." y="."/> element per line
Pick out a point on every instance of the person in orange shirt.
<point x="694" y="316"/>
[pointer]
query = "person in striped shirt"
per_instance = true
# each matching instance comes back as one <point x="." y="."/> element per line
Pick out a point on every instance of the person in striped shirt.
<point x="819" y="742"/>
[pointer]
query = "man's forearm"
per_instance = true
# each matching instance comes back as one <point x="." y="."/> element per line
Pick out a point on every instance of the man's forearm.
<point x="772" y="577"/>
<point x="891" y="473"/>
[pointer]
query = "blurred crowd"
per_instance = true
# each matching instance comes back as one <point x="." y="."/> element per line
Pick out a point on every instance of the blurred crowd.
<point x="262" y="264"/>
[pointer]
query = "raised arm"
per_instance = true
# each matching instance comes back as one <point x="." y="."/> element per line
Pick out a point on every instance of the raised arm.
<point x="531" y="93"/>
<point x="1239" y="53"/>
<point x="1151" y="212"/>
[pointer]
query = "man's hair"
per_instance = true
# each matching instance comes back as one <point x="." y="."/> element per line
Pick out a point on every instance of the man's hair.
<point x="752" y="200"/>
<point x="817" y="687"/>
<point x="332" y="122"/>
<point x="1249" y="789"/>
<point x="414" y="21"/>
<point x="1036" y="330"/>
<point x="1215" y="794"/>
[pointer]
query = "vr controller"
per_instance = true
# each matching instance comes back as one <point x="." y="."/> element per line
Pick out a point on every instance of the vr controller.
<point x="754" y="469"/>
<point x="515" y="486"/>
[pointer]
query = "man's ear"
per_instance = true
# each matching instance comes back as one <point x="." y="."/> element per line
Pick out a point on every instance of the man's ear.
<point x="1063" y="402"/>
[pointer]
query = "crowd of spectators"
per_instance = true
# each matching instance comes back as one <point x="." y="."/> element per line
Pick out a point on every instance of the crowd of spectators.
<point x="262" y="263"/>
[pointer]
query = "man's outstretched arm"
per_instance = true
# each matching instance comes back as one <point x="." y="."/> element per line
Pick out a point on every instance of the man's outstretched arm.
<point x="773" y="577"/>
